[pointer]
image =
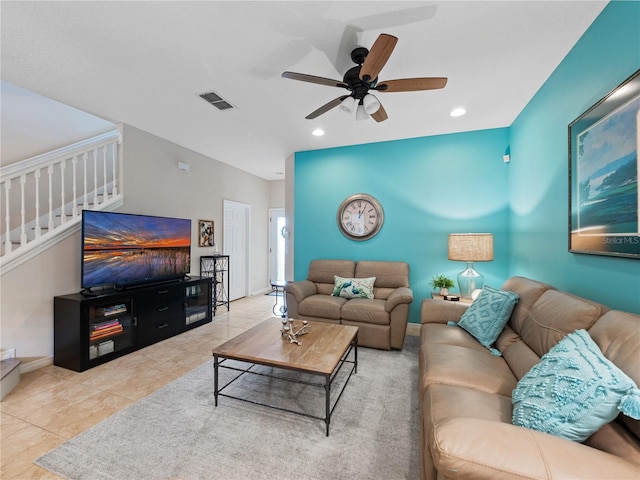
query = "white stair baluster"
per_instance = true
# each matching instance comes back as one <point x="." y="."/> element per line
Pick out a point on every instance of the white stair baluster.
<point x="63" y="215"/>
<point x="23" y="231"/>
<point x="105" y="193"/>
<point x="114" y="156"/>
<point x="95" y="178"/>
<point x="85" y="204"/>
<point x="50" y="225"/>
<point x="7" y="242"/>
<point x="74" y="162"/>
<point x="38" y="230"/>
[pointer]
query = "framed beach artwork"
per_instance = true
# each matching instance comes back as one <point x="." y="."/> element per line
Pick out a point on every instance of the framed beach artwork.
<point x="604" y="218"/>
<point x="205" y="233"/>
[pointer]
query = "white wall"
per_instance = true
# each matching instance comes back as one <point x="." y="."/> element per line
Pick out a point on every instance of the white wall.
<point x="152" y="185"/>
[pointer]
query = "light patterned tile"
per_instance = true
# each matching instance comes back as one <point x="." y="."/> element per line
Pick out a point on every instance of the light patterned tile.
<point x="23" y="447"/>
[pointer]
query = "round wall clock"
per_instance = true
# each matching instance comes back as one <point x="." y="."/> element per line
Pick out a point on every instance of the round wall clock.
<point x="360" y="216"/>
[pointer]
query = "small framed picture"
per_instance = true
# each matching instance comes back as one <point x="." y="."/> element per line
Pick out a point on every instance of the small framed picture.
<point x="205" y="232"/>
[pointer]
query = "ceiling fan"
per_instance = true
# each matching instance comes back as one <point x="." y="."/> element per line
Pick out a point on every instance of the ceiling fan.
<point x="359" y="80"/>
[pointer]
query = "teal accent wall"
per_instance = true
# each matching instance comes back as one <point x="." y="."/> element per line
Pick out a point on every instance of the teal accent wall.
<point x="432" y="186"/>
<point x="428" y="187"/>
<point x="607" y="54"/>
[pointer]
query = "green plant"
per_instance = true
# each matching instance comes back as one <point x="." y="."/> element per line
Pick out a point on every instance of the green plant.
<point x="442" y="281"/>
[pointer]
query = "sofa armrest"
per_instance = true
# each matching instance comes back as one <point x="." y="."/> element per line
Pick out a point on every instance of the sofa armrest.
<point x="441" y="311"/>
<point x="301" y="289"/>
<point x="482" y="449"/>
<point x="398" y="296"/>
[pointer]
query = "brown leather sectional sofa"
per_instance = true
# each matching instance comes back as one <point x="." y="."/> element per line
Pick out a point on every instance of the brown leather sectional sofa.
<point x="382" y="321"/>
<point x="465" y="392"/>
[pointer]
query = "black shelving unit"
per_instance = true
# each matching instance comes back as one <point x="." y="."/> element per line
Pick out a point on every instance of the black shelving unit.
<point x="217" y="267"/>
<point x="91" y="330"/>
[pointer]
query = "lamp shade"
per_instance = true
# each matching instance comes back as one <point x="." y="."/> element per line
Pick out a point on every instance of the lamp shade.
<point x="347" y="105"/>
<point x="371" y="104"/>
<point x="361" y="113"/>
<point x="471" y="247"/>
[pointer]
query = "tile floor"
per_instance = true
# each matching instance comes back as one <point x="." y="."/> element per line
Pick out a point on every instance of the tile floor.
<point x="52" y="404"/>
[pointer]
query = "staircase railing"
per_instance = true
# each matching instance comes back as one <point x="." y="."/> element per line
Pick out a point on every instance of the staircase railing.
<point x="43" y="197"/>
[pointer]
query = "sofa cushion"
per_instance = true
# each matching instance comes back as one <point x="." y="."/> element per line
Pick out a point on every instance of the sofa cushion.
<point x="353" y="287"/>
<point x="574" y="391"/>
<point x="554" y="315"/>
<point x="488" y="314"/>
<point x="365" y="310"/>
<point x="434" y="333"/>
<point x="388" y="274"/>
<point x="322" y="271"/>
<point x="465" y="367"/>
<point x="322" y="306"/>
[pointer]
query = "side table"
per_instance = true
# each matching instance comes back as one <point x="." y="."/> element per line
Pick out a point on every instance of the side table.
<point x="277" y="286"/>
<point x="437" y="296"/>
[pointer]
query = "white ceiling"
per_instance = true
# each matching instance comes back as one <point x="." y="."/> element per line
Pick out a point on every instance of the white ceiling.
<point x="144" y="62"/>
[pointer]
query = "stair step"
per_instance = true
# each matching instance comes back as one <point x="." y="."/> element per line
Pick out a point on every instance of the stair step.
<point x="7" y="366"/>
<point x="10" y="375"/>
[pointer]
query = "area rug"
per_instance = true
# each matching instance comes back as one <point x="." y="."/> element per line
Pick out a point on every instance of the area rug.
<point x="178" y="433"/>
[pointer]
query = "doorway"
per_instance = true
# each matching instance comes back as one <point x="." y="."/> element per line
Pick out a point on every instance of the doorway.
<point x="278" y="234"/>
<point x="236" y="221"/>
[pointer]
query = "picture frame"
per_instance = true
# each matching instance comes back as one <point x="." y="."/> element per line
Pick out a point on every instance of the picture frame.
<point x="604" y="218"/>
<point x="205" y="233"/>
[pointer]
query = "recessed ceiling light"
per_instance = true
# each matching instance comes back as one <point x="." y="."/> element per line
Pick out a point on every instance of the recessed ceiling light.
<point x="458" y="112"/>
<point x="318" y="132"/>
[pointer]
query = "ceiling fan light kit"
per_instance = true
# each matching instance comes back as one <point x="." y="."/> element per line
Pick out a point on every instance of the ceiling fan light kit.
<point x="364" y="77"/>
<point x="348" y="105"/>
<point x="371" y="103"/>
<point x="361" y="113"/>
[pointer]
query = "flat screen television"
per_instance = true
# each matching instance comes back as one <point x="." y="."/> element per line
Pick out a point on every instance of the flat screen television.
<point x="125" y="250"/>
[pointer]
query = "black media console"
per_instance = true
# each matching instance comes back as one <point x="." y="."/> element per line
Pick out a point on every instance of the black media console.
<point x="91" y="330"/>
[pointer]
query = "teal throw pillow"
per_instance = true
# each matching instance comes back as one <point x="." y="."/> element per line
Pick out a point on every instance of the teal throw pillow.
<point x="353" y="287"/>
<point x="573" y="391"/>
<point x="487" y="315"/>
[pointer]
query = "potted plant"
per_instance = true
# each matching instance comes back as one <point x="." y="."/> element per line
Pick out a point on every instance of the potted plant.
<point x="442" y="282"/>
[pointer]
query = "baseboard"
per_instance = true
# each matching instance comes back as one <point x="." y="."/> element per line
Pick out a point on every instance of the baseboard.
<point x="262" y="291"/>
<point x="34" y="363"/>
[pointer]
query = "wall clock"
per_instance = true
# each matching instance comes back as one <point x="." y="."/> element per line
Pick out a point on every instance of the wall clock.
<point x="360" y="216"/>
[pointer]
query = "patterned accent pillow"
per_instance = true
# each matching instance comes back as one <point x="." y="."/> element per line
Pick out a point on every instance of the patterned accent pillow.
<point x="574" y="391"/>
<point x="487" y="315"/>
<point x="353" y="287"/>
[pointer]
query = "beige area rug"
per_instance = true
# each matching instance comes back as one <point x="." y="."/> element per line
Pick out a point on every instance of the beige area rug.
<point x="178" y="433"/>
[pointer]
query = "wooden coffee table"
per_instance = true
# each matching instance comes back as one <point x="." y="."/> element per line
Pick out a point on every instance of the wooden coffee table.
<point x="324" y="351"/>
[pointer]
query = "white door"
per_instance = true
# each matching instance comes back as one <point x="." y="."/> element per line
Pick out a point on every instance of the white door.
<point x="235" y="244"/>
<point x="277" y="235"/>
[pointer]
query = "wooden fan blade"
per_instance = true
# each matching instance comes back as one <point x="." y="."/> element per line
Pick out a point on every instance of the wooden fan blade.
<point x="378" y="56"/>
<point x="326" y="107"/>
<point x="380" y="115"/>
<point x="313" y="79"/>
<point x="412" y="84"/>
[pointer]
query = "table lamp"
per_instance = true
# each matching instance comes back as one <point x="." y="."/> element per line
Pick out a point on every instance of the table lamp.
<point x="470" y="247"/>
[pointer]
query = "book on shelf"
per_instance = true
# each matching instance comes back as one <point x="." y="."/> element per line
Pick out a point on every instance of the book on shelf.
<point x="105" y="324"/>
<point x="111" y="309"/>
<point x="105" y="332"/>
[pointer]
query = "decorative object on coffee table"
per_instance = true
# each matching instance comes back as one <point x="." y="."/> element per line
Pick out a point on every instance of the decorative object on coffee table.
<point x="289" y="331"/>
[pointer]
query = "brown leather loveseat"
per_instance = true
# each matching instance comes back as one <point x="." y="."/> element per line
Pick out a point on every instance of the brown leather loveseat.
<point x="466" y="391"/>
<point x="382" y="321"/>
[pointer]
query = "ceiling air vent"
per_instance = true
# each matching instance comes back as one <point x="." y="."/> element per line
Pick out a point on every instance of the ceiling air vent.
<point x="216" y="100"/>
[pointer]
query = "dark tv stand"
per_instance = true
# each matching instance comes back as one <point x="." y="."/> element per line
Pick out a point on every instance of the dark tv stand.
<point x="89" y="330"/>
